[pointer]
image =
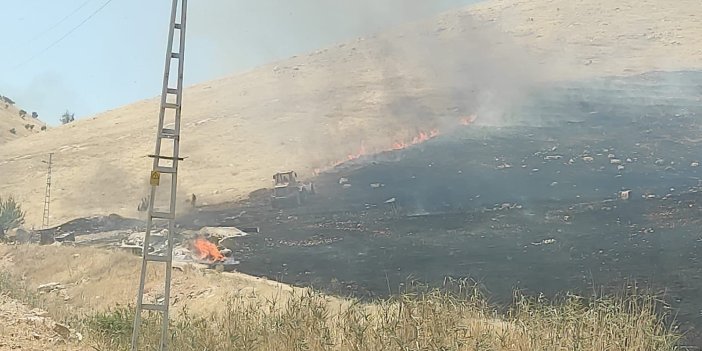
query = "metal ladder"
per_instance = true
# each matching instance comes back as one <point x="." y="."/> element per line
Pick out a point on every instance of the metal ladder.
<point x="47" y="195"/>
<point x="166" y="164"/>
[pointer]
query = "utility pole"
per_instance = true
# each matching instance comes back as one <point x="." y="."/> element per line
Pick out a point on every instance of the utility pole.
<point x="165" y="163"/>
<point x="47" y="194"/>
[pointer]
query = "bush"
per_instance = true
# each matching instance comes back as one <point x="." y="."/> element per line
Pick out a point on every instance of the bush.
<point x="67" y="117"/>
<point x="35" y="115"/>
<point x="22" y="113"/>
<point x="11" y="214"/>
<point x="43" y="128"/>
<point x="13" y="131"/>
<point x="8" y="100"/>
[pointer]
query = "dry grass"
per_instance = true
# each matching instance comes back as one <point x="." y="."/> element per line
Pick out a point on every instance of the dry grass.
<point x="215" y="311"/>
<point x="427" y="321"/>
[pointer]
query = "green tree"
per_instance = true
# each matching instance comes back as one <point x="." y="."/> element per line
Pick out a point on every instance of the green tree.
<point x="11" y="214"/>
<point x="67" y="117"/>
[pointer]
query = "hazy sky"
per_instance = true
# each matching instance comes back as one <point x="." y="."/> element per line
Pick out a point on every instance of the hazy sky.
<point x="117" y="56"/>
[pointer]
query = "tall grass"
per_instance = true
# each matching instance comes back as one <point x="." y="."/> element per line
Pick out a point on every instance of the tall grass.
<point x="430" y="320"/>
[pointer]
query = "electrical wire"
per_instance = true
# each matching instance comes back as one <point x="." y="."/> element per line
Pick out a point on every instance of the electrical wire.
<point x="57" y="23"/>
<point x="56" y="42"/>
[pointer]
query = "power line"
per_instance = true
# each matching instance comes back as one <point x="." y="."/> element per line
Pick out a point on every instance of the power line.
<point x="57" y="23"/>
<point x="65" y="35"/>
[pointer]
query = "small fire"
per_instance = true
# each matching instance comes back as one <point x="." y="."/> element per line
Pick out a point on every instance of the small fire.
<point x="423" y="136"/>
<point x="205" y="250"/>
<point x="468" y="120"/>
<point x="420" y="138"/>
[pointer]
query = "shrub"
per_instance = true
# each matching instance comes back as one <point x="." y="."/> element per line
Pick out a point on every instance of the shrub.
<point x="8" y="100"/>
<point x="67" y="117"/>
<point x="13" y="130"/>
<point x="35" y="115"/>
<point x="22" y="113"/>
<point x="43" y="128"/>
<point x="11" y="214"/>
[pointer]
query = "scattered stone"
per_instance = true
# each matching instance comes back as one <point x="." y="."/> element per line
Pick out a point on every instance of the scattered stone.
<point x="694" y="164"/>
<point x="625" y="194"/>
<point x="377" y="185"/>
<point x="49" y="287"/>
<point x="62" y="330"/>
<point x="343" y="180"/>
<point x="620" y="168"/>
<point x="615" y="161"/>
<point x="588" y="158"/>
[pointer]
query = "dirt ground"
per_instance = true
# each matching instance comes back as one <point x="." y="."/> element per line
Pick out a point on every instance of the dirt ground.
<point x="314" y="109"/>
<point x="25" y="328"/>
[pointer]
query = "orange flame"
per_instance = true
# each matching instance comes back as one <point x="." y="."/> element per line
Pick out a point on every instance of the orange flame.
<point x="422" y="137"/>
<point x="206" y="250"/>
<point x="468" y="120"/>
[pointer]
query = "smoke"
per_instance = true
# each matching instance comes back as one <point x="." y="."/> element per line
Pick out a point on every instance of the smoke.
<point x="244" y="34"/>
<point x="370" y="92"/>
<point x="44" y="92"/>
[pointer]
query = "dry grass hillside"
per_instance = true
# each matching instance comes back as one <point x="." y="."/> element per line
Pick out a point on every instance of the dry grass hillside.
<point x="13" y="126"/>
<point x="88" y="290"/>
<point x="308" y="111"/>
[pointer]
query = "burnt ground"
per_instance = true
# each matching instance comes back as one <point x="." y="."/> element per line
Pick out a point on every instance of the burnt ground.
<point x="513" y="207"/>
<point x="533" y="206"/>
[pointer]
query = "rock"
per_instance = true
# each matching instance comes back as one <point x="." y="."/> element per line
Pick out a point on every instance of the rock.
<point x="615" y="161"/>
<point x="343" y="180"/>
<point x="62" y="330"/>
<point x="588" y="158"/>
<point x="694" y="164"/>
<point x="625" y="194"/>
<point x="620" y="168"/>
<point x="554" y="183"/>
<point x="49" y="287"/>
<point x="346" y="186"/>
<point x="659" y="162"/>
<point x="376" y="185"/>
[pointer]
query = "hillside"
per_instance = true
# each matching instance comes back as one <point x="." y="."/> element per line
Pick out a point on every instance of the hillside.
<point x="13" y="126"/>
<point x="309" y="111"/>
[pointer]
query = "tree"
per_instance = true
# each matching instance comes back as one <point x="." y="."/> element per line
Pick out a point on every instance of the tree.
<point x="11" y="214"/>
<point x="35" y="115"/>
<point x="22" y="113"/>
<point x="67" y="117"/>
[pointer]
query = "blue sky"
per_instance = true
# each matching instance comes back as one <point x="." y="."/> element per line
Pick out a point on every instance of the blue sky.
<point x="117" y="56"/>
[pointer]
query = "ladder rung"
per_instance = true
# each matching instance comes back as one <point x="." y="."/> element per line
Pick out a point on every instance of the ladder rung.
<point x="162" y="215"/>
<point x="169" y="133"/>
<point x="156" y="258"/>
<point x="153" y="307"/>
<point x="170" y="105"/>
<point x="165" y="157"/>
<point x="172" y="91"/>
<point x="177" y="26"/>
<point x="167" y="170"/>
<point x="175" y="55"/>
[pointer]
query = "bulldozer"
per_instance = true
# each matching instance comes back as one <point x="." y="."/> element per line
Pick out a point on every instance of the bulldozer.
<point x="288" y="191"/>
